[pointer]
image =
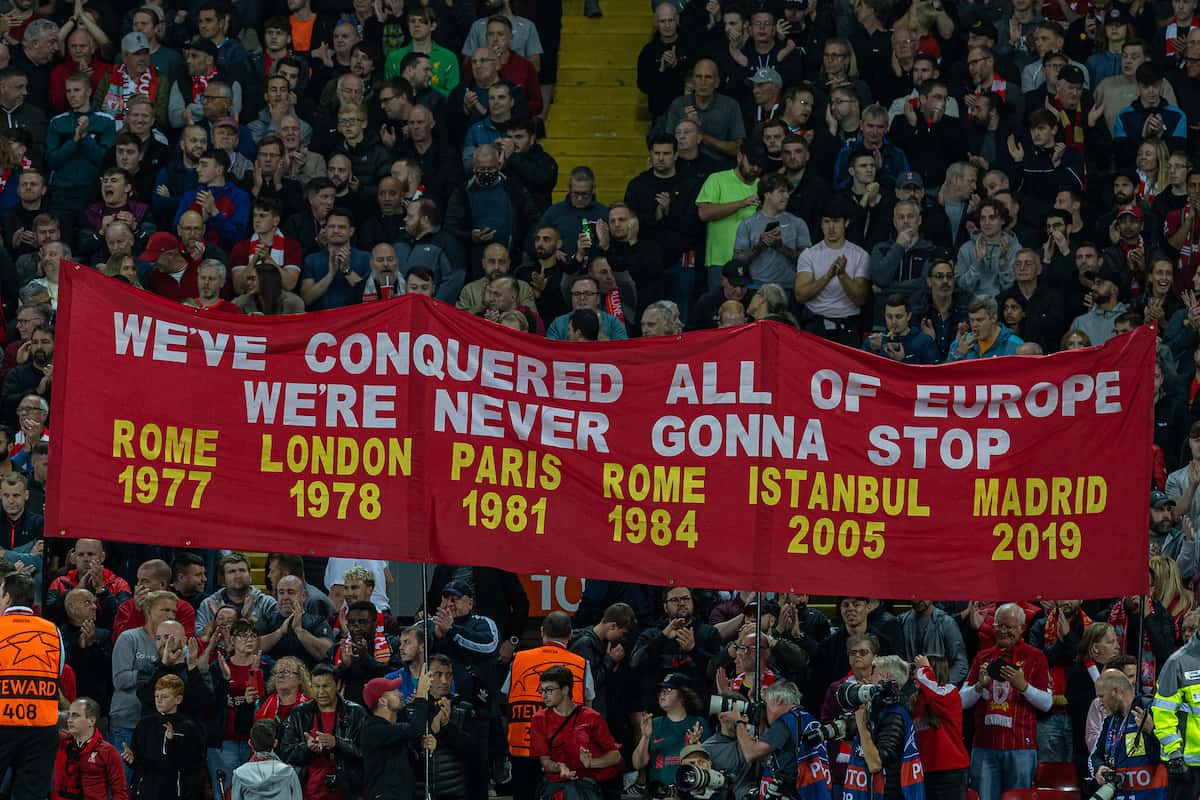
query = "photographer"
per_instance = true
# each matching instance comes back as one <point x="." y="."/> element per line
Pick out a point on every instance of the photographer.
<point x="699" y="779"/>
<point x="884" y="760"/>
<point x="1127" y="752"/>
<point x="792" y="767"/>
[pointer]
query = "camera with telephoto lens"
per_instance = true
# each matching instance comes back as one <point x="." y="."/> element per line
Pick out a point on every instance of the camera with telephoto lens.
<point x="852" y="695"/>
<point x="462" y="714"/>
<point x="692" y="780"/>
<point x="1112" y="785"/>
<point x="719" y="703"/>
<point x="841" y="729"/>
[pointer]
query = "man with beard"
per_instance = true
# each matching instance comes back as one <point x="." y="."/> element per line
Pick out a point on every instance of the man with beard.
<point x="365" y="650"/>
<point x="725" y="199"/>
<point x="544" y="272"/>
<point x="432" y="248"/>
<point x="500" y="297"/>
<point x="179" y="177"/>
<point x="335" y="277"/>
<point x="496" y="262"/>
<point x="385" y="279"/>
<point x="927" y="630"/>
<point x="680" y="643"/>
<point x="1163" y="525"/>
<point x="1097" y="322"/>
<point x="808" y="188"/>
<point x="19" y="236"/>
<point x="346" y="185"/>
<point x="32" y="377"/>
<point x="210" y="280"/>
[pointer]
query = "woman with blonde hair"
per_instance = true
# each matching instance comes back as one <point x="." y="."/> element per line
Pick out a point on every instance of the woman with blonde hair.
<point x="1152" y="163"/>
<point x="731" y="314"/>
<point x="289" y="685"/>
<point x="125" y="267"/>
<point x="1166" y="585"/>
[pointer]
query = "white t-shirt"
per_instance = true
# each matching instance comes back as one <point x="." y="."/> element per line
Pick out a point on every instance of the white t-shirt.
<point x="335" y="571"/>
<point x="832" y="302"/>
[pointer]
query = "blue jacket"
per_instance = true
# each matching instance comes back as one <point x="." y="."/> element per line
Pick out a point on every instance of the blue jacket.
<point x="232" y="220"/>
<point x="1006" y="344"/>
<point x="76" y="165"/>
<point x="1127" y="129"/>
<point x="894" y="162"/>
<point x="610" y="326"/>
<point x="918" y="347"/>
<point x="482" y="132"/>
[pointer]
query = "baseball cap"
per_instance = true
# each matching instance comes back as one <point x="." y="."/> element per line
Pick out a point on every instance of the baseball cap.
<point x="982" y="28"/>
<point x="908" y="180"/>
<point x="202" y="45"/>
<point x="1159" y="500"/>
<point x="757" y="155"/>
<point x="1051" y="55"/>
<point x="458" y="589"/>
<point x="377" y="688"/>
<point x="134" y="42"/>
<point x="1117" y="13"/>
<point x="766" y="75"/>
<point x="692" y="748"/>
<point x="737" y="273"/>
<point x="1132" y="209"/>
<point x="676" y="680"/>
<point x="1071" y="74"/>
<point x="158" y="244"/>
<point x="228" y="122"/>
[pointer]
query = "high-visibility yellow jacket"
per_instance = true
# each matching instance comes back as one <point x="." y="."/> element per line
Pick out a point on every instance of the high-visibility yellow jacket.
<point x="1176" y="706"/>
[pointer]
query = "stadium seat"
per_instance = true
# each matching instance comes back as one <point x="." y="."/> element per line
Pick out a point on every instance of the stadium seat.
<point x="1056" y="775"/>
<point x="1041" y="794"/>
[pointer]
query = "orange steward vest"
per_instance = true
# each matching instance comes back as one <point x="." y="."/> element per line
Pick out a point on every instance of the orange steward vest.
<point x="30" y="652"/>
<point x="524" y="689"/>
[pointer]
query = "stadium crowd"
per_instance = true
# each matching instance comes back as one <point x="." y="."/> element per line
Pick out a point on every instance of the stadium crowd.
<point x="929" y="181"/>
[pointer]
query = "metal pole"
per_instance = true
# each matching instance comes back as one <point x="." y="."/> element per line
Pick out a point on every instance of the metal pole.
<point x="758" y="638"/>
<point x="425" y="667"/>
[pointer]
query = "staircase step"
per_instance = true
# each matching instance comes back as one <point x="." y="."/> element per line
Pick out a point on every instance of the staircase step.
<point x="591" y="146"/>
<point x="586" y="73"/>
<point x="619" y="110"/>
<point x="641" y="24"/>
<point x="577" y="93"/>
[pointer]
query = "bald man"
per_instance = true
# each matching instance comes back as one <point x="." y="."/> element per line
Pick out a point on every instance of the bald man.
<point x="111" y="591"/>
<point x="152" y="576"/>
<point x="292" y="632"/>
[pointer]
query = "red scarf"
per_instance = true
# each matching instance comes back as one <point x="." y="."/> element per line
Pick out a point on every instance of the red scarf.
<point x="68" y="763"/>
<point x="1119" y="619"/>
<point x="276" y="246"/>
<point x="612" y="304"/>
<point x="121" y="87"/>
<point x="382" y="650"/>
<point x="269" y="709"/>
<point x="8" y="173"/>
<point x="200" y="83"/>
<point x="1058" y="672"/>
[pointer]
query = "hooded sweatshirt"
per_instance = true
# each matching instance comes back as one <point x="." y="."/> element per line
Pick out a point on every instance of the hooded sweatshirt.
<point x="265" y="777"/>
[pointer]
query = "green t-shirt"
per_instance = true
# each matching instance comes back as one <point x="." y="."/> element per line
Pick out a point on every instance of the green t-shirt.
<point x="667" y="739"/>
<point x="724" y="187"/>
<point x="442" y="63"/>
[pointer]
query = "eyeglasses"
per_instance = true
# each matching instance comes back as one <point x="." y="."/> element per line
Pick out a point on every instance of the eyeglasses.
<point x="677" y="600"/>
<point x="860" y="653"/>
<point x="549" y="689"/>
<point x="584" y="296"/>
<point x="30" y="410"/>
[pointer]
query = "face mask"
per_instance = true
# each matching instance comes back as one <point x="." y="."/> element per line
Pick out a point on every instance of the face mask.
<point x="487" y="178"/>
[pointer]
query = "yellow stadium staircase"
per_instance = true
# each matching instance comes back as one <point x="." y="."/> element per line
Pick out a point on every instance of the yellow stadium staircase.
<point x="599" y="117"/>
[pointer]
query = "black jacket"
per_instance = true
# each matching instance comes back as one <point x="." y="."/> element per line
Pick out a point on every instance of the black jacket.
<point x="662" y="86"/>
<point x="164" y="769"/>
<point x="679" y="229"/>
<point x="386" y="751"/>
<point x="347" y="752"/>
<point x="1045" y="321"/>
<point x="92" y="665"/>
<point x="537" y="171"/>
<point x="498" y="595"/>
<point x="655" y="656"/>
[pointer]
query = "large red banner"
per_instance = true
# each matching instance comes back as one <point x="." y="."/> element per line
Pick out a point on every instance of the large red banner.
<point x="756" y="457"/>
